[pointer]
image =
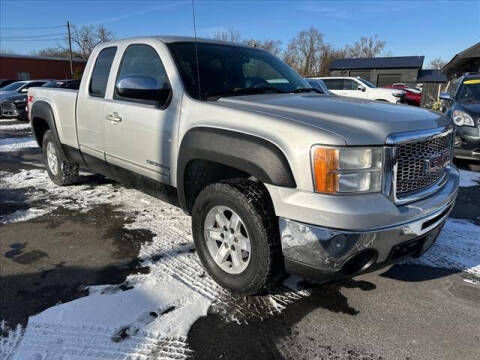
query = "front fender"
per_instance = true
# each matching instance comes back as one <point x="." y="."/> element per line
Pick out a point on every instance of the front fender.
<point x="250" y="154"/>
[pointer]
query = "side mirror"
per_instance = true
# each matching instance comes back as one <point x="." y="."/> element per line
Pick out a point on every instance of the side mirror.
<point x="24" y="90"/>
<point x="142" y="88"/>
<point x="361" y="88"/>
<point x="446" y="96"/>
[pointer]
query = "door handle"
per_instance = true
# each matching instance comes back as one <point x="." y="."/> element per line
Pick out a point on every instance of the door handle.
<point x="113" y="117"/>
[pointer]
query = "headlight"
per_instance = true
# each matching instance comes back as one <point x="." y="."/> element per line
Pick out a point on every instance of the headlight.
<point x="461" y="118"/>
<point x="399" y="94"/>
<point x="19" y="101"/>
<point x="347" y="170"/>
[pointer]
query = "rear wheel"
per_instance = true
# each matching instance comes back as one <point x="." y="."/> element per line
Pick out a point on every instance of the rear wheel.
<point x="60" y="170"/>
<point x="236" y="235"/>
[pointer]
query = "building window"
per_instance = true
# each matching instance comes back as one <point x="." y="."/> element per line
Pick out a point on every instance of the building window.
<point x="23" y="76"/>
<point x="388" y="79"/>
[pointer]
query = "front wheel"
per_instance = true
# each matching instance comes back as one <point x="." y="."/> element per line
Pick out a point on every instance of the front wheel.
<point x="60" y="170"/>
<point x="236" y="235"/>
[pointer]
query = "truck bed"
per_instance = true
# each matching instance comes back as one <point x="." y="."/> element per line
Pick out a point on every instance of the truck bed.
<point x="63" y="104"/>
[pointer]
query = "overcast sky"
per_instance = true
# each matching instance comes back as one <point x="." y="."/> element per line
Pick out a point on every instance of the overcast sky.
<point x="430" y="28"/>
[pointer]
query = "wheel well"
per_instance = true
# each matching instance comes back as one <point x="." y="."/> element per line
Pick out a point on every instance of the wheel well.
<point x="39" y="127"/>
<point x="201" y="173"/>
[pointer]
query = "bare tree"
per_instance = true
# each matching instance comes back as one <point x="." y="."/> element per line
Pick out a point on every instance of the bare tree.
<point x="52" y="52"/>
<point x="272" y="46"/>
<point x="366" y="47"/>
<point x="229" y="35"/>
<point x="304" y="52"/>
<point x="437" y="63"/>
<point x="85" y="38"/>
<point x="330" y="54"/>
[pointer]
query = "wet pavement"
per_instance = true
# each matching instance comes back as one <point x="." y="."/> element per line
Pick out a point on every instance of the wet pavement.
<point x="403" y="312"/>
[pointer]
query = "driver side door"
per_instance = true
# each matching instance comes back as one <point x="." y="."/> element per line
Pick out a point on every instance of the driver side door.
<point x="138" y="133"/>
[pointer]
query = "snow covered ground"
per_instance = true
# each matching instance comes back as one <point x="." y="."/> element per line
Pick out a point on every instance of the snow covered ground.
<point x="152" y="319"/>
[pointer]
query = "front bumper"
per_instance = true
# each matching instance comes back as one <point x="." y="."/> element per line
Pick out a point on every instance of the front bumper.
<point x="329" y="254"/>
<point x="14" y="113"/>
<point x="467" y="143"/>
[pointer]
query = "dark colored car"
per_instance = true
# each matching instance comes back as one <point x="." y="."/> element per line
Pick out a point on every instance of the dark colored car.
<point x="64" y="84"/>
<point x="464" y="110"/>
<point x="5" y="82"/>
<point x="14" y="107"/>
<point x="13" y="98"/>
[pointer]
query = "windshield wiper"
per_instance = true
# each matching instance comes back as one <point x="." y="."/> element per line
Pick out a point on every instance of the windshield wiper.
<point x="245" y="91"/>
<point x="261" y="90"/>
<point x="305" y="90"/>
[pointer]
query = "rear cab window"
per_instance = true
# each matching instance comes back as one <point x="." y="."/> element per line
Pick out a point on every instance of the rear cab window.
<point x="101" y="72"/>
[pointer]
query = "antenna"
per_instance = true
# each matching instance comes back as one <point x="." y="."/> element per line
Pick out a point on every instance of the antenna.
<point x="196" y="51"/>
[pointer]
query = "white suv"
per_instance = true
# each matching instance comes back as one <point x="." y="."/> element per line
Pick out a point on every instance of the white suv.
<point x="361" y="88"/>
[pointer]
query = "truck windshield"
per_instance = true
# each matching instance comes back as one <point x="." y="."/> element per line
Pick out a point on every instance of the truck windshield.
<point x="366" y="82"/>
<point x="229" y="70"/>
<point x="469" y="91"/>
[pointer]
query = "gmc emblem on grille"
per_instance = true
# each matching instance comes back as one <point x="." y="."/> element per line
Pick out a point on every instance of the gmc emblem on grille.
<point x="436" y="162"/>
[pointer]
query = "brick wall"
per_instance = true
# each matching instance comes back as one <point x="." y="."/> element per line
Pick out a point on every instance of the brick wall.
<point x="24" y="68"/>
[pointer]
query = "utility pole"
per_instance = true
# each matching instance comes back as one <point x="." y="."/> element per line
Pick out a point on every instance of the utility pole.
<point x="70" y="47"/>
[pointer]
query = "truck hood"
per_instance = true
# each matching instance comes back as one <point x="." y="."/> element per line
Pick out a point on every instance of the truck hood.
<point x="387" y="91"/>
<point x="357" y="121"/>
<point x="7" y="94"/>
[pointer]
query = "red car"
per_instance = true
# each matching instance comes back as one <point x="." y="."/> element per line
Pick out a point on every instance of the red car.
<point x="412" y="96"/>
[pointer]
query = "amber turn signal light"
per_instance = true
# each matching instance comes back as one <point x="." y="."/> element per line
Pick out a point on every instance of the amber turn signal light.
<point x="325" y="165"/>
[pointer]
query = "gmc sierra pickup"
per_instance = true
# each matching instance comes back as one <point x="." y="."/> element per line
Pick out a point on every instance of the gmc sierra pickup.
<point x="277" y="177"/>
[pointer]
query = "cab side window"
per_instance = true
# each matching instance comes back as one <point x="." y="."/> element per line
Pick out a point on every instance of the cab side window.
<point x="334" y="84"/>
<point x="143" y="71"/>
<point x="101" y="72"/>
<point x="350" y="85"/>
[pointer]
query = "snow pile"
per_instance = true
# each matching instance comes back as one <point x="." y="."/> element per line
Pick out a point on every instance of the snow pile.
<point x="457" y="248"/>
<point x="15" y="144"/>
<point x="469" y="178"/>
<point x="153" y="318"/>
<point x="9" y="124"/>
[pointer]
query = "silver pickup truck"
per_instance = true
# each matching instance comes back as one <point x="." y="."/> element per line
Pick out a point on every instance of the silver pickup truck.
<point x="277" y="177"/>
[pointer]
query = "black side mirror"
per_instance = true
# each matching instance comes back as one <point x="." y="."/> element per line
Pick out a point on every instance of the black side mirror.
<point x="142" y="88"/>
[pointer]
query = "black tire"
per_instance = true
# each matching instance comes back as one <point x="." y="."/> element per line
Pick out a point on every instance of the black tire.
<point x="252" y="203"/>
<point x="65" y="172"/>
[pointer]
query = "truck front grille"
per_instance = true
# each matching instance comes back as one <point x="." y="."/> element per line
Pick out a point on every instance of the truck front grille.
<point x="422" y="163"/>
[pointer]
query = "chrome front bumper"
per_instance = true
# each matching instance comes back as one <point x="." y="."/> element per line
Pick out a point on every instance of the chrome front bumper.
<point x="310" y="249"/>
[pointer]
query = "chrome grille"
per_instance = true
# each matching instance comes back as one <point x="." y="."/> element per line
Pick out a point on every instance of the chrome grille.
<point x="8" y="106"/>
<point x="412" y="157"/>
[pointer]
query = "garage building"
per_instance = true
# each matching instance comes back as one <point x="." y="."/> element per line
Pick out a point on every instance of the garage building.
<point x="383" y="71"/>
<point x="25" y="67"/>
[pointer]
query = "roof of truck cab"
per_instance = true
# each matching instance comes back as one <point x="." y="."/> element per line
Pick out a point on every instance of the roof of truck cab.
<point x="174" y="39"/>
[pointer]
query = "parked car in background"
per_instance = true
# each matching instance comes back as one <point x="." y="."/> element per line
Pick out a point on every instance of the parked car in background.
<point x="14" y="106"/>
<point x="320" y="86"/>
<point x="412" y="96"/>
<point x="19" y="87"/>
<point x="276" y="176"/>
<point x="463" y="107"/>
<point x="64" y="84"/>
<point x="361" y="88"/>
<point x="5" y="82"/>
